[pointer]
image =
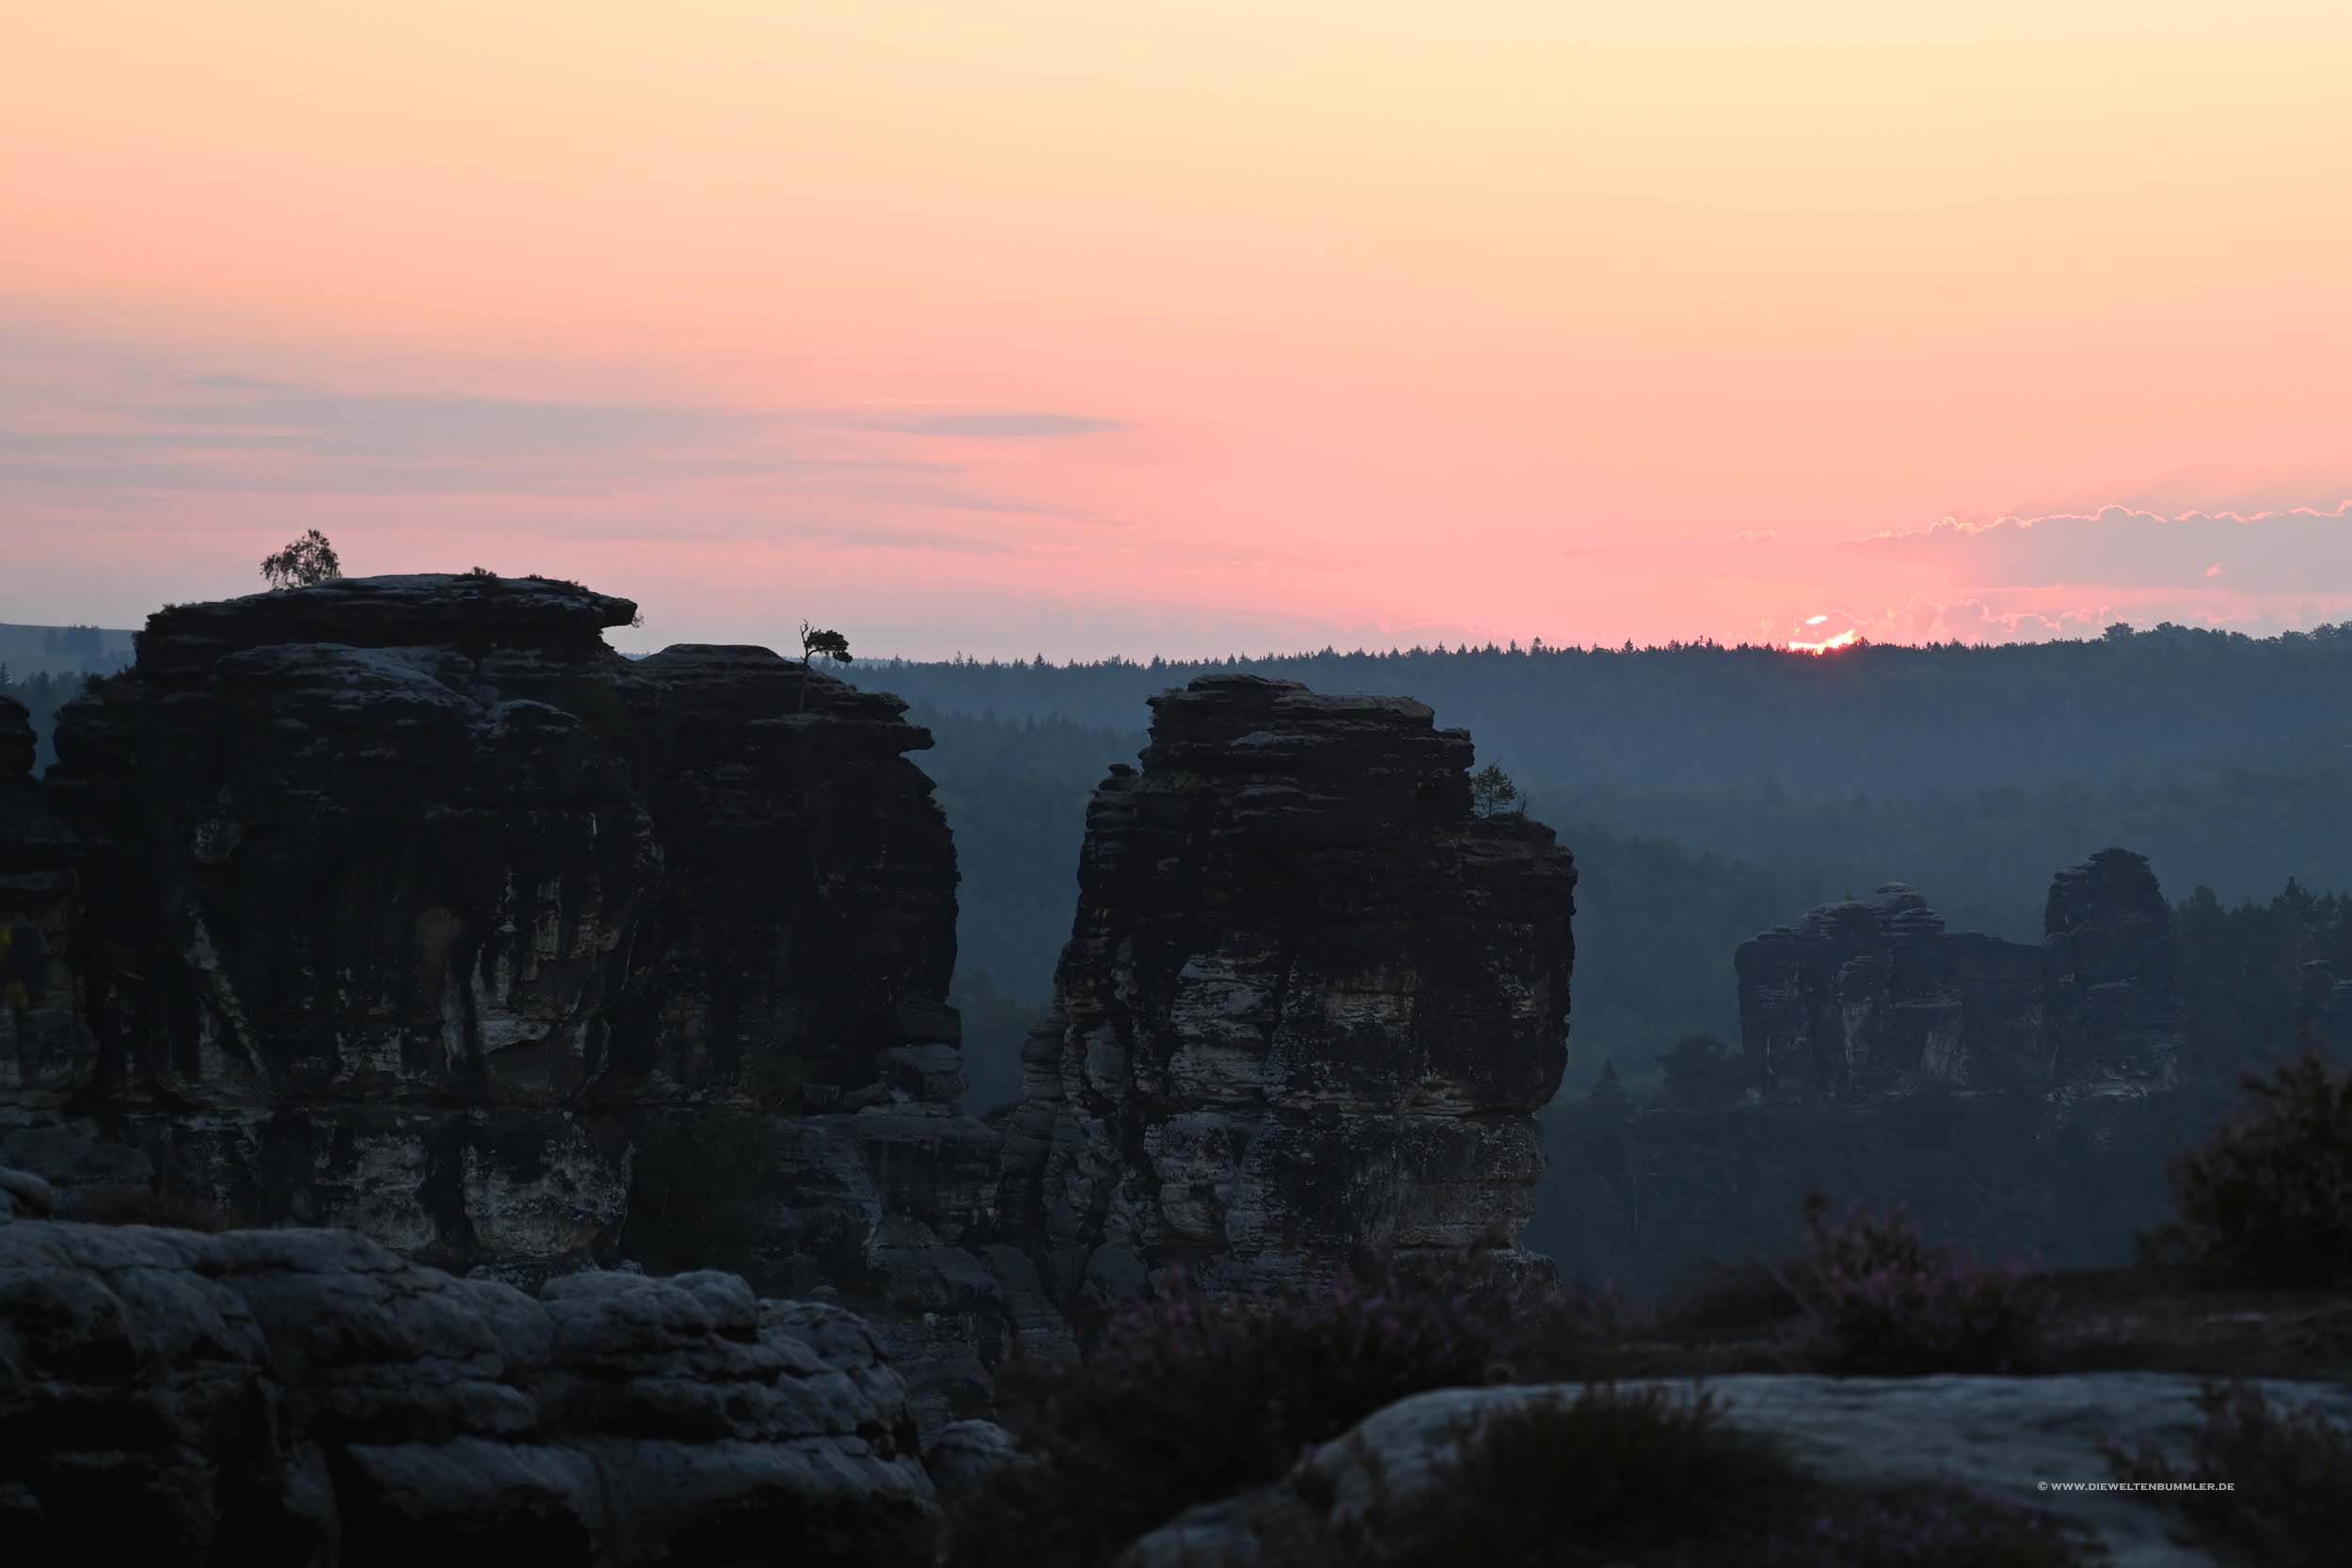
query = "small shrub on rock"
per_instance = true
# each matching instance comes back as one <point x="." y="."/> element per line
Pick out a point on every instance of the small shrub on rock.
<point x="1875" y="1300"/>
<point x="2269" y="1201"/>
<point x="1953" y="1529"/>
<point x="2290" y="1474"/>
<point x="130" y="1205"/>
<point x="1614" y="1468"/>
<point x="1187" y="1400"/>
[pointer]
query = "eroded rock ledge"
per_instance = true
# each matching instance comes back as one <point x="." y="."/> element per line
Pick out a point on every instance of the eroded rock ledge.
<point x="1310" y="1002"/>
<point x="291" y="1397"/>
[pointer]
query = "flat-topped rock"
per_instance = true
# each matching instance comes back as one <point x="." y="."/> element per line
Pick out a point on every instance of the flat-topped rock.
<point x="421" y="609"/>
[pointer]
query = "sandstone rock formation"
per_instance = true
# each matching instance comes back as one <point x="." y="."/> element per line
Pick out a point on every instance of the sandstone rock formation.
<point x="2009" y="1095"/>
<point x="1871" y="997"/>
<point x="2113" y="1005"/>
<point x="1859" y="1439"/>
<point x="1310" y="1004"/>
<point x="408" y="904"/>
<point x="292" y="1396"/>
<point x="42" y="1039"/>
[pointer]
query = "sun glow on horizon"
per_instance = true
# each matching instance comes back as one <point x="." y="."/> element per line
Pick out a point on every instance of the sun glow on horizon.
<point x="1828" y="644"/>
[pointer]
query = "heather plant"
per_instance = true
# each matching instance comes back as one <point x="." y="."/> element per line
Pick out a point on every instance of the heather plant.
<point x="1613" y="1469"/>
<point x="2269" y="1200"/>
<point x="1949" y="1529"/>
<point x="1875" y="1300"/>
<point x="2289" y="1474"/>
<point x="1187" y="1400"/>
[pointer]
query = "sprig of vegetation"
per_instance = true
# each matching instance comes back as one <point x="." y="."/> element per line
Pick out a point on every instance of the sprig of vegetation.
<point x="1875" y="1300"/>
<point x="2289" y="1474"/>
<point x="2269" y="1201"/>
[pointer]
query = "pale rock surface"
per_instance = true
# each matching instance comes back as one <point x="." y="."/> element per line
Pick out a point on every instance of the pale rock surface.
<point x="1864" y="1438"/>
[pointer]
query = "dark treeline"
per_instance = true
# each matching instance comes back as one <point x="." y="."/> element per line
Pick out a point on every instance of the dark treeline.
<point x="2168" y="703"/>
<point x="2241" y="971"/>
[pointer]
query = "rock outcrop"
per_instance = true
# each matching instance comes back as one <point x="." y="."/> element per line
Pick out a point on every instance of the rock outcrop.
<point x="408" y="904"/>
<point x="2113" y="1008"/>
<point x="43" y="1043"/>
<point x="294" y="1396"/>
<point x="1858" y="1440"/>
<point x="1310" y="1002"/>
<point x="1872" y="997"/>
<point x="2013" y="1097"/>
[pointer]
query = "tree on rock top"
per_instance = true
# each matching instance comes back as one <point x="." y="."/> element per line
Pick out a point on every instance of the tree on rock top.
<point x="309" y="559"/>
<point x="1493" y="794"/>
<point x="815" y="643"/>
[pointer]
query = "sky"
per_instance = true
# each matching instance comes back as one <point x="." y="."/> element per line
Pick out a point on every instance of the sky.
<point x="1019" y="326"/>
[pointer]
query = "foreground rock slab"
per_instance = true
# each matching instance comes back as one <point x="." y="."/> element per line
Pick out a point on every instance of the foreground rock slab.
<point x="298" y="1397"/>
<point x="1863" y="1438"/>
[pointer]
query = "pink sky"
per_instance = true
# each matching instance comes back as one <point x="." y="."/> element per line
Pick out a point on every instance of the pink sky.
<point x="1039" y="326"/>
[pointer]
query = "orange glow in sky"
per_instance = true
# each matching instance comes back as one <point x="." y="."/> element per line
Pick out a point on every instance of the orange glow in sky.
<point x="1045" y="326"/>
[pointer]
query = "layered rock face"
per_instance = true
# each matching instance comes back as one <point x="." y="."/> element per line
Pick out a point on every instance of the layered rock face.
<point x="410" y="905"/>
<point x="43" y="1042"/>
<point x="1872" y="997"/>
<point x="294" y="1397"/>
<point x="1310" y="1004"/>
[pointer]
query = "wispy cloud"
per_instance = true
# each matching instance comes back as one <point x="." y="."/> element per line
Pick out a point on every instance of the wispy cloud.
<point x="2301" y="549"/>
<point x="982" y="426"/>
<point x="135" y="432"/>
